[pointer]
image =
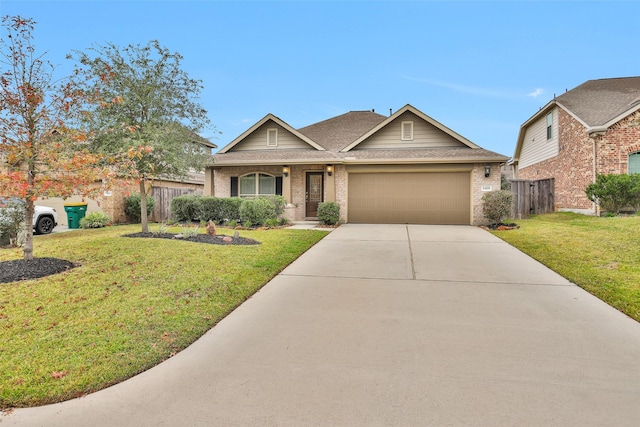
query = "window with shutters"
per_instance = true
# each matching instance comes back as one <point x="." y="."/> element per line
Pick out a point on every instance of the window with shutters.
<point x="272" y="137"/>
<point x="257" y="184"/>
<point x="549" y="125"/>
<point x="407" y="131"/>
<point x="634" y="163"/>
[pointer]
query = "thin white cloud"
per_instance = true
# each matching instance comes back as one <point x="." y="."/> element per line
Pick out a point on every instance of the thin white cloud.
<point x="536" y="93"/>
<point x="472" y="90"/>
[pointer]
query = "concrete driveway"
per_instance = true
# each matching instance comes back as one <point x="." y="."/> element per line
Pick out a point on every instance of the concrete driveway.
<point x="392" y="325"/>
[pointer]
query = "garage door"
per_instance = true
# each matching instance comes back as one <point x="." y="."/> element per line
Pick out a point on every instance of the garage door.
<point x="410" y="198"/>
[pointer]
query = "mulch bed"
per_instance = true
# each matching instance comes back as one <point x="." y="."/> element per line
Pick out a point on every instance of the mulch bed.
<point x="220" y="239"/>
<point x="502" y="226"/>
<point x="17" y="270"/>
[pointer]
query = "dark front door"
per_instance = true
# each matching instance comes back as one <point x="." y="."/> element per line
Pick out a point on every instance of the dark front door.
<point x="314" y="193"/>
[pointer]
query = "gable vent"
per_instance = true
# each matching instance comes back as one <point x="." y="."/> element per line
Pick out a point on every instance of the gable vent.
<point x="407" y="131"/>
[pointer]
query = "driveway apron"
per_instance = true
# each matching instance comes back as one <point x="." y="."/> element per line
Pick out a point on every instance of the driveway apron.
<point x="391" y="325"/>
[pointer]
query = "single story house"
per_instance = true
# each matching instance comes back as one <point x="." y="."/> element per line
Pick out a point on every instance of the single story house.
<point x="589" y="130"/>
<point x="401" y="168"/>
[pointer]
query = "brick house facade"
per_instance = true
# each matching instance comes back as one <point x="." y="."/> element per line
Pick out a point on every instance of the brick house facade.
<point x="596" y="128"/>
<point x="402" y="168"/>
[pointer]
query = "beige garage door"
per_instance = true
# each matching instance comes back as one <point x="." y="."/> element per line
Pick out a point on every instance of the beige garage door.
<point x="410" y="198"/>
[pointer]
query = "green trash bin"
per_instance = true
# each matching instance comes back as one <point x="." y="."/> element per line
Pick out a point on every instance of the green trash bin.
<point x="75" y="212"/>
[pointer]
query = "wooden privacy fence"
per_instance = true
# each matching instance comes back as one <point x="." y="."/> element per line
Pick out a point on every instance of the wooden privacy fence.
<point x="163" y="196"/>
<point x="532" y="197"/>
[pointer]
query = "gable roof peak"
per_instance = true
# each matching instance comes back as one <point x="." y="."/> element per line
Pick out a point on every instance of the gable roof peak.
<point x="265" y="119"/>
<point x="421" y="115"/>
<point x="597" y="102"/>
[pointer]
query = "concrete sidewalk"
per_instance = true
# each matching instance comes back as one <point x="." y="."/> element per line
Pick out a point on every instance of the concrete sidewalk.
<point x="392" y="325"/>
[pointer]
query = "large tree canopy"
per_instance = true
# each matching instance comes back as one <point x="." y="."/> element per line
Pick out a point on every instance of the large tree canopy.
<point x="42" y="151"/>
<point x="149" y="116"/>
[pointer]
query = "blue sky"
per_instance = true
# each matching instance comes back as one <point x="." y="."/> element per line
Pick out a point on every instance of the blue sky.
<point x="479" y="67"/>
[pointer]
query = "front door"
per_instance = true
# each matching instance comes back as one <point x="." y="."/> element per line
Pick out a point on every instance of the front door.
<point x="314" y="193"/>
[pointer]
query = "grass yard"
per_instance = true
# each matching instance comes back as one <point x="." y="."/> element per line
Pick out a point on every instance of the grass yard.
<point x="131" y="304"/>
<point x="601" y="255"/>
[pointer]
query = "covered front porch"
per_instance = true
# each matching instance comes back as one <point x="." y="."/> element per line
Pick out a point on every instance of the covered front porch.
<point x="304" y="186"/>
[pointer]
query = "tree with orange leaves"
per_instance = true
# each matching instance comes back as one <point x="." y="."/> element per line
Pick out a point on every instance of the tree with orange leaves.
<point x="42" y="151"/>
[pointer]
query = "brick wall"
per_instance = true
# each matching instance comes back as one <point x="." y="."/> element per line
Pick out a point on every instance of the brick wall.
<point x="222" y="180"/>
<point x="478" y="181"/>
<point x="573" y="168"/>
<point x="616" y="144"/>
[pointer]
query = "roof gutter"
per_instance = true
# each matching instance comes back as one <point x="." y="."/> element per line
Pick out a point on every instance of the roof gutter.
<point x="365" y="161"/>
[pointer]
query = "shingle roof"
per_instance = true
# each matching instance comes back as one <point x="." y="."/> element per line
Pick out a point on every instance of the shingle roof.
<point x="436" y="155"/>
<point x="336" y="133"/>
<point x="597" y="102"/>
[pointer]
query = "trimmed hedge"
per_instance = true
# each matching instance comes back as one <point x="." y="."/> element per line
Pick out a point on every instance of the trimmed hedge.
<point x="227" y="209"/>
<point x="206" y="208"/>
<point x="185" y="208"/>
<point x="261" y="210"/>
<point x="219" y="209"/>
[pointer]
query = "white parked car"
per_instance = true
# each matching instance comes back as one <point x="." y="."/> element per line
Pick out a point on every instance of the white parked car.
<point x="44" y="218"/>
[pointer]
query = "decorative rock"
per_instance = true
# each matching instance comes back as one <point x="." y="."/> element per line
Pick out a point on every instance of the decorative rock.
<point x="211" y="228"/>
<point x="227" y="239"/>
<point x="236" y="235"/>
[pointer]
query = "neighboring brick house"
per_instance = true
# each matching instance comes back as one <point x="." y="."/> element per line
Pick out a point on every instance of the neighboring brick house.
<point x="589" y="130"/>
<point x="402" y="168"/>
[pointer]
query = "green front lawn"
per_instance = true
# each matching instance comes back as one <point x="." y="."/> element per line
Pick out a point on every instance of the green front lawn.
<point x="131" y="304"/>
<point x="601" y="255"/>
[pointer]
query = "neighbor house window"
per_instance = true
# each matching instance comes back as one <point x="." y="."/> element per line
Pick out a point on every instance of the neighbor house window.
<point x="634" y="163"/>
<point x="257" y="184"/>
<point x="549" y="124"/>
<point x="407" y="131"/>
<point x="272" y="137"/>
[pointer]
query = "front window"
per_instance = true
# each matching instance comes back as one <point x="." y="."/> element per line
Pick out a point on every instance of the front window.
<point x="549" y="124"/>
<point x="634" y="163"/>
<point x="257" y="184"/>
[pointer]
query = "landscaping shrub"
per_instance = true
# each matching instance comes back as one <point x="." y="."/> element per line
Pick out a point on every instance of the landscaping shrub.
<point x="614" y="193"/>
<point x="132" y="207"/>
<point x="279" y="203"/>
<point x="257" y="211"/>
<point x="496" y="205"/>
<point x="219" y="209"/>
<point x="329" y="213"/>
<point x="95" y="220"/>
<point x="272" y="222"/>
<point x="230" y="209"/>
<point x="11" y="223"/>
<point x="185" y="208"/>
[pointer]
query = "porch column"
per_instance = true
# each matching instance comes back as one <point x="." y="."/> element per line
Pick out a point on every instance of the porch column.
<point x="209" y="189"/>
<point x="330" y="185"/>
<point x="286" y="186"/>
